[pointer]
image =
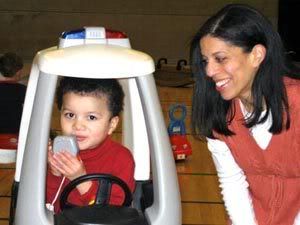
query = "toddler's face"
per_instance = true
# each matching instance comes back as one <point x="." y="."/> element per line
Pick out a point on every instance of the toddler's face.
<point x="87" y="118"/>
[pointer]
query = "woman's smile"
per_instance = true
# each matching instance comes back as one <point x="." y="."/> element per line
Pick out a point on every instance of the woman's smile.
<point x="222" y="84"/>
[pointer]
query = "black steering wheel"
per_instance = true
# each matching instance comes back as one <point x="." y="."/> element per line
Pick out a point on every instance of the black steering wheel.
<point x="105" y="182"/>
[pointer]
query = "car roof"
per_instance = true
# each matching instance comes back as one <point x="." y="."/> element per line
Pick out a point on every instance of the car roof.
<point x="95" y="61"/>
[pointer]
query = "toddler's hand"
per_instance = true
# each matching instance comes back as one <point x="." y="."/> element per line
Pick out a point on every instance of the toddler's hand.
<point x="52" y="168"/>
<point x="71" y="167"/>
<point x="68" y="165"/>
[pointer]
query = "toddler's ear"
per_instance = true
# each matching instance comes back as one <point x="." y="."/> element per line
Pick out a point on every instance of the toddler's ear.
<point x="113" y="124"/>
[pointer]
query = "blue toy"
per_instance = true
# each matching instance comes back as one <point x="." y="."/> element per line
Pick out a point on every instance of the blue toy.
<point x="177" y="132"/>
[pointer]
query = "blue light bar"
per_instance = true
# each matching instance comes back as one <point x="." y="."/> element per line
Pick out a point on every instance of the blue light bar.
<point x="74" y="34"/>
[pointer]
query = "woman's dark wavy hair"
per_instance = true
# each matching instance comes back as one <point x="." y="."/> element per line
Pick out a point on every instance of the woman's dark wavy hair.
<point x="242" y="26"/>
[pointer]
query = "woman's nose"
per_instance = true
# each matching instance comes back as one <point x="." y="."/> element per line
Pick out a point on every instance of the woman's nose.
<point x="211" y="69"/>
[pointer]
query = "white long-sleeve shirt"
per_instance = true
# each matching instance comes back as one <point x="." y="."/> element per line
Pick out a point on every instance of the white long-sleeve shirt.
<point x="233" y="183"/>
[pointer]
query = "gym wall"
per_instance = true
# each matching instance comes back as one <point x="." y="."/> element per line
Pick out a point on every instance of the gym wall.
<point x="162" y="28"/>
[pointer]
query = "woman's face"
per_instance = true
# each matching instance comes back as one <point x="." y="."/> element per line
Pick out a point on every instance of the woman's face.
<point x="232" y="69"/>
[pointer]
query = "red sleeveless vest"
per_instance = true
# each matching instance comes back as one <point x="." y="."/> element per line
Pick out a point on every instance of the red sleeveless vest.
<point x="273" y="174"/>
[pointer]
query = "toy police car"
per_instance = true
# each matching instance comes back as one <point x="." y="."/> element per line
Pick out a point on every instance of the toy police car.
<point x="95" y="52"/>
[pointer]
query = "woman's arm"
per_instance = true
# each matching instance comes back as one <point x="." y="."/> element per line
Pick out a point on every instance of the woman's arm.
<point x="297" y="219"/>
<point x="237" y="199"/>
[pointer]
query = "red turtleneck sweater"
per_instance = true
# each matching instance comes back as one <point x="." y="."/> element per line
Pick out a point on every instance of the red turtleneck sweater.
<point x="110" y="158"/>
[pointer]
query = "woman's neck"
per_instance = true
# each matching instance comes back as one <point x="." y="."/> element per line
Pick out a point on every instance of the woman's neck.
<point x="248" y="104"/>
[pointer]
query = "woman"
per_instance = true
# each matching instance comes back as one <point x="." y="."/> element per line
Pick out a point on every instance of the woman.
<point x="245" y="104"/>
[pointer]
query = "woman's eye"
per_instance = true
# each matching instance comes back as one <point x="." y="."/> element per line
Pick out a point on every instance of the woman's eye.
<point x="204" y="62"/>
<point x="92" y="117"/>
<point x="220" y="59"/>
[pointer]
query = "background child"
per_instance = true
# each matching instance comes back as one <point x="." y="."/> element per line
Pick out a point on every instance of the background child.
<point x="90" y="111"/>
<point x="12" y="94"/>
